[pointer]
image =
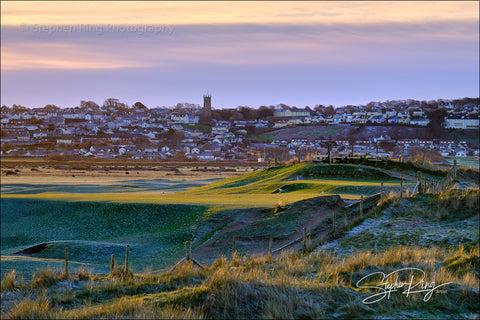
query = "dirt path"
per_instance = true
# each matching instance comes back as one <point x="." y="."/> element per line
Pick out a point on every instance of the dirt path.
<point x="220" y="243"/>
<point x="211" y="249"/>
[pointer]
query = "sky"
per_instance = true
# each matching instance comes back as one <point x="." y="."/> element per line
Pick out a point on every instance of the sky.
<point x="245" y="53"/>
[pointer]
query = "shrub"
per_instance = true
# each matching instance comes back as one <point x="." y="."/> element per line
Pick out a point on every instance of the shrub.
<point x="84" y="274"/>
<point x="45" y="278"/>
<point x="292" y="161"/>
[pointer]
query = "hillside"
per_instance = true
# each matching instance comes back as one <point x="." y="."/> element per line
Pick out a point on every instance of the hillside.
<point x="333" y="179"/>
<point x="364" y="132"/>
<point x="276" y="201"/>
<point x="322" y="284"/>
<point x="93" y="231"/>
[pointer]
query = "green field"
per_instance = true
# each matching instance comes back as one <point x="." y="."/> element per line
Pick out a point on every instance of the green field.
<point x="95" y="221"/>
<point x="346" y="180"/>
<point x="266" y="137"/>
<point x="94" y="230"/>
<point x="437" y="233"/>
<point x="322" y="131"/>
<point x="466" y="162"/>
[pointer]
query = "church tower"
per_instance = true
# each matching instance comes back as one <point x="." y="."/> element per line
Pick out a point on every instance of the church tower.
<point x="206" y="116"/>
<point x="207" y="105"/>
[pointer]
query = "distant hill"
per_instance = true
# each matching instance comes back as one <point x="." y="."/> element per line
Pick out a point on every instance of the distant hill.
<point x="365" y="132"/>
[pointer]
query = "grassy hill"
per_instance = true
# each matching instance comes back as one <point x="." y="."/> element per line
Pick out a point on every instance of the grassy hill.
<point x="341" y="178"/>
<point x="322" y="284"/>
<point x="437" y="234"/>
<point x="102" y="224"/>
<point x="95" y="230"/>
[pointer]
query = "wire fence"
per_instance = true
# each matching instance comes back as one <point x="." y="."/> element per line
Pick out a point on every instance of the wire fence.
<point x="358" y="208"/>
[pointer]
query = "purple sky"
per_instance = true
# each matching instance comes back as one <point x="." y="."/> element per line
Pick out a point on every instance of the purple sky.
<point x="333" y="54"/>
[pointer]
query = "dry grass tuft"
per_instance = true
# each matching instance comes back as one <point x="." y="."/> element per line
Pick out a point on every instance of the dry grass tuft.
<point x="319" y="285"/>
<point x="9" y="282"/>
<point x="45" y="278"/>
<point x="32" y="309"/>
<point x="84" y="274"/>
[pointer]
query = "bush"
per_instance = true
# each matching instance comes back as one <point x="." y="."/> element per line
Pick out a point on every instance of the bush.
<point x="45" y="278"/>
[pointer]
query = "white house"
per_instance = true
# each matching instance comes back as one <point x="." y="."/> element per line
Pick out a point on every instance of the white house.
<point x="206" y="156"/>
<point x="420" y="121"/>
<point x="184" y="118"/>
<point x="64" y="141"/>
<point x="461" y="153"/>
<point x="289" y="112"/>
<point x="221" y="127"/>
<point x="454" y="122"/>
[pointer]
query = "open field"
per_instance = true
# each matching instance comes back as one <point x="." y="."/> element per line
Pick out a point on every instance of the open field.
<point x="323" y="284"/>
<point x="95" y="230"/>
<point x="467" y="162"/>
<point x="156" y="212"/>
<point x="302" y="178"/>
<point x="52" y="206"/>
<point x="364" y="132"/>
<point x="255" y="189"/>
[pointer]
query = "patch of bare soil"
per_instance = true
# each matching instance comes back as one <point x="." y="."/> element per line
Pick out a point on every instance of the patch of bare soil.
<point x="33" y="249"/>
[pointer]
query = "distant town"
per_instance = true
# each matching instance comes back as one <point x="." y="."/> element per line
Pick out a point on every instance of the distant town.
<point x="190" y="132"/>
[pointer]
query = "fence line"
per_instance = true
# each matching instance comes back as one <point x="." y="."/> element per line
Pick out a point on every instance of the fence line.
<point x="423" y="185"/>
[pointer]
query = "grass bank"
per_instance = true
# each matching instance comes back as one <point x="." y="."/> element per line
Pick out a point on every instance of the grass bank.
<point x="319" y="285"/>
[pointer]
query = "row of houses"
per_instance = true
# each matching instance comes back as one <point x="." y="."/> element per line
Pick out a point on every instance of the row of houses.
<point x="372" y="146"/>
<point x="459" y="117"/>
<point x="72" y="130"/>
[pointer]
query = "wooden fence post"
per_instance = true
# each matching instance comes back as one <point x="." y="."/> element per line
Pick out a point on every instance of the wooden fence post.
<point x="234" y="249"/>
<point x="304" y="240"/>
<point x="401" y="187"/>
<point x="112" y="264"/>
<point x="424" y="184"/>
<point x="334" y="223"/>
<point x="188" y="250"/>
<point x="419" y="182"/>
<point x="188" y="257"/>
<point x="66" y="262"/>
<point x="127" y="251"/>
<point x="454" y="169"/>
<point x="270" y="245"/>
<point x="361" y="205"/>
<point x="381" y="192"/>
